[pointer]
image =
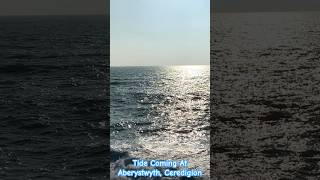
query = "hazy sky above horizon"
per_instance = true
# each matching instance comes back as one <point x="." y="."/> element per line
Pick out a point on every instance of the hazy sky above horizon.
<point x="264" y="5"/>
<point x="159" y="32"/>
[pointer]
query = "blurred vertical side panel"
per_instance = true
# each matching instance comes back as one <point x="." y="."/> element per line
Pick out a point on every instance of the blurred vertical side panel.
<point x="265" y="89"/>
<point x="54" y="91"/>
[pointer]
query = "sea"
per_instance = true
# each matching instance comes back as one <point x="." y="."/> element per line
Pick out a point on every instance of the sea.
<point x="53" y="97"/>
<point x="264" y="100"/>
<point x="265" y="96"/>
<point x="160" y="113"/>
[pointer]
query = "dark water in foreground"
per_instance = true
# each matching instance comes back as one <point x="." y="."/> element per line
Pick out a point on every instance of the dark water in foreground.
<point x="265" y="96"/>
<point x="53" y="97"/>
<point x="160" y="113"/>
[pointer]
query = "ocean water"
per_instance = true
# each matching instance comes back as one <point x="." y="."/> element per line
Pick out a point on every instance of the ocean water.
<point x="53" y="97"/>
<point x="265" y="96"/>
<point x="160" y="113"/>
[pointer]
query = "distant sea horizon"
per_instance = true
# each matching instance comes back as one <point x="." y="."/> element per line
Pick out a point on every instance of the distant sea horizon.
<point x="159" y="65"/>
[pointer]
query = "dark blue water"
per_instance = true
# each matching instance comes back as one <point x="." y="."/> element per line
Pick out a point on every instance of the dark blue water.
<point x="160" y="113"/>
<point x="53" y="97"/>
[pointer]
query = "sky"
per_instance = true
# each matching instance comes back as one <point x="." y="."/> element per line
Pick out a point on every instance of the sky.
<point x="264" y="5"/>
<point x="53" y="7"/>
<point x="159" y="32"/>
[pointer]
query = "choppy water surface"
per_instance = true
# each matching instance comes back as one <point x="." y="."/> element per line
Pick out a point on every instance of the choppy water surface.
<point x="160" y="113"/>
<point x="265" y="96"/>
<point x="53" y="75"/>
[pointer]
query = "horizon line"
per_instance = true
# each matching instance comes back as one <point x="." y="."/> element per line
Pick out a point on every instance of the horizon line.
<point x="159" y="65"/>
<point x="261" y="11"/>
<point x="17" y="15"/>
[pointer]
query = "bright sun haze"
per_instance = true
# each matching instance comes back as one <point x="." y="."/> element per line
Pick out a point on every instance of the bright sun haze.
<point x="159" y="32"/>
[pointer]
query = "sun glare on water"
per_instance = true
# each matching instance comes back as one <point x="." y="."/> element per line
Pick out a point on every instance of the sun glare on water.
<point x="191" y="71"/>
